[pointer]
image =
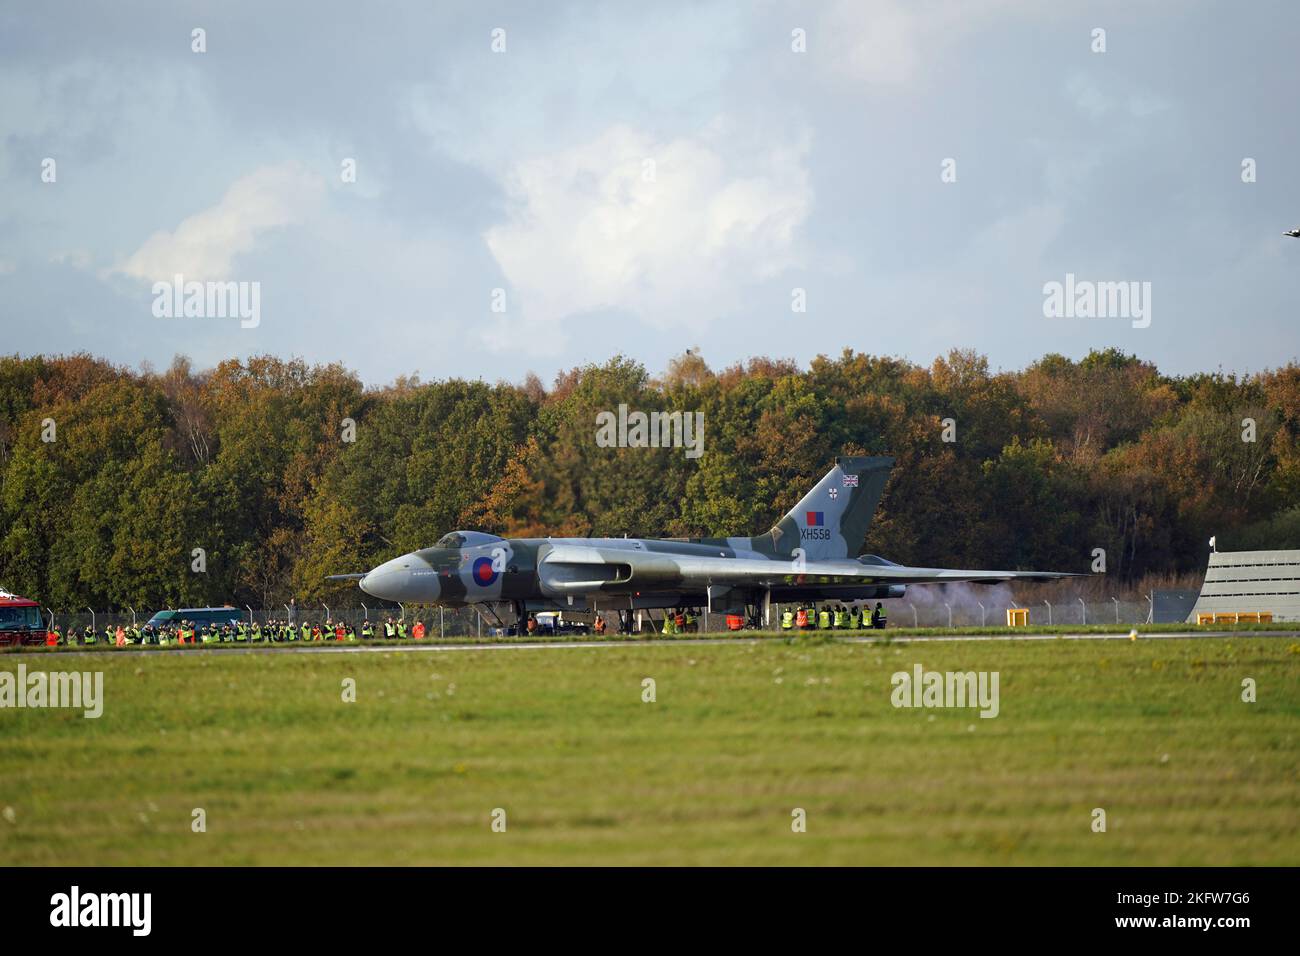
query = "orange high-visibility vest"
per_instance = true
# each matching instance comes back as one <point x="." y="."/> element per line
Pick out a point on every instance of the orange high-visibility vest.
<point x="801" y="618"/>
<point x="418" y="631"/>
<point x="51" y="638"/>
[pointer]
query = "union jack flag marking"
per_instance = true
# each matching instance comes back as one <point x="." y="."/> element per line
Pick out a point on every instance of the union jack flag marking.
<point x="850" y="481"/>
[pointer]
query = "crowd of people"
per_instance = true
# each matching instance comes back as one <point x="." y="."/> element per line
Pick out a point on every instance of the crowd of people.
<point x="828" y="617"/>
<point x="833" y="617"/>
<point x="682" y="620"/>
<point x="241" y="632"/>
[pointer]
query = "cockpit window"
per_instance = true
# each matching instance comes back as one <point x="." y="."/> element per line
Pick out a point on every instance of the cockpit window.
<point x="452" y="540"/>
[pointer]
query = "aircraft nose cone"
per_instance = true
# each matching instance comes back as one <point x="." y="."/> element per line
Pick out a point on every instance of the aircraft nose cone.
<point x="398" y="580"/>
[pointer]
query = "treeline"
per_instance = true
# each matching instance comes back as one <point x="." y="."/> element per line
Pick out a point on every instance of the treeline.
<point x="248" y="483"/>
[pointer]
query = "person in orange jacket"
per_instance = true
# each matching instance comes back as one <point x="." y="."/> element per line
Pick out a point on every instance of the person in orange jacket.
<point x="417" y="632"/>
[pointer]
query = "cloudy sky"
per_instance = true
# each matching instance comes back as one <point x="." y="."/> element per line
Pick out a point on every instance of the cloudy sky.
<point x="643" y="178"/>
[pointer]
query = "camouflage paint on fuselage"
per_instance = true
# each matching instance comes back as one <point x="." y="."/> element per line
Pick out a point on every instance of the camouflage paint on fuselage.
<point x="808" y="555"/>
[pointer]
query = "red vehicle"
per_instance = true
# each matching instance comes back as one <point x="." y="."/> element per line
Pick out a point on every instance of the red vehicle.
<point x="21" y="621"/>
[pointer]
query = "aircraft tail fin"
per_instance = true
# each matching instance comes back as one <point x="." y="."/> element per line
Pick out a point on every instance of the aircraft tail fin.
<point x="831" y="521"/>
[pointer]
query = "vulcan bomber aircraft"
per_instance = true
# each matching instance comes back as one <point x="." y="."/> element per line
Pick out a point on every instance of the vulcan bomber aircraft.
<point x="809" y="555"/>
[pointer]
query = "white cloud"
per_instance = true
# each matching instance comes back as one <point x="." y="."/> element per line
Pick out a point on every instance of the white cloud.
<point x="1087" y="96"/>
<point x="1090" y="99"/>
<point x="884" y="42"/>
<point x="589" y="229"/>
<point x="204" y="245"/>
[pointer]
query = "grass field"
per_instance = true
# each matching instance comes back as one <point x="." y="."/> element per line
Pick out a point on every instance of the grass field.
<point x="1152" y="731"/>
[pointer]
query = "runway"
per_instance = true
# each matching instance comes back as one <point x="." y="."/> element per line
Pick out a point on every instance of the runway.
<point x="434" y="648"/>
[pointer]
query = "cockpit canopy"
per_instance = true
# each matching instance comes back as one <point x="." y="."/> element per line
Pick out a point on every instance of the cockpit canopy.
<point x="466" y="539"/>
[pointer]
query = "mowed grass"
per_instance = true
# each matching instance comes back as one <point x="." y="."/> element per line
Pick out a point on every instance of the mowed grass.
<point x="1152" y="731"/>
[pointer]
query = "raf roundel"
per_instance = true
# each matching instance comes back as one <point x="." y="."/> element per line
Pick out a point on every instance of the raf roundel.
<point x="484" y="574"/>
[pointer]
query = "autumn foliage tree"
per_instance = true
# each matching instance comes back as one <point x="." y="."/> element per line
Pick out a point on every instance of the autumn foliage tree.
<point x="279" y="473"/>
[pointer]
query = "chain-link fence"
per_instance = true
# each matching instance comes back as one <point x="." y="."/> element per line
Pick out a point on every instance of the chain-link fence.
<point x="904" y="613"/>
<point x="471" y="622"/>
<point x="449" y="622"/>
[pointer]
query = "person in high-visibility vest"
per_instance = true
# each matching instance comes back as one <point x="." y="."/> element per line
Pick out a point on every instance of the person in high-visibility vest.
<point x="367" y="631"/>
<point x="417" y="632"/>
<point x="401" y="629"/>
<point x="801" y="618"/>
<point x="824" y="619"/>
<point x="787" y="619"/>
<point x="51" y="638"/>
<point x="691" y="626"/>
<point x="390" y="631"/>
<point x="880" y="615"/>
<point x="669" y="624"/>
<point x="837" y="618"/>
